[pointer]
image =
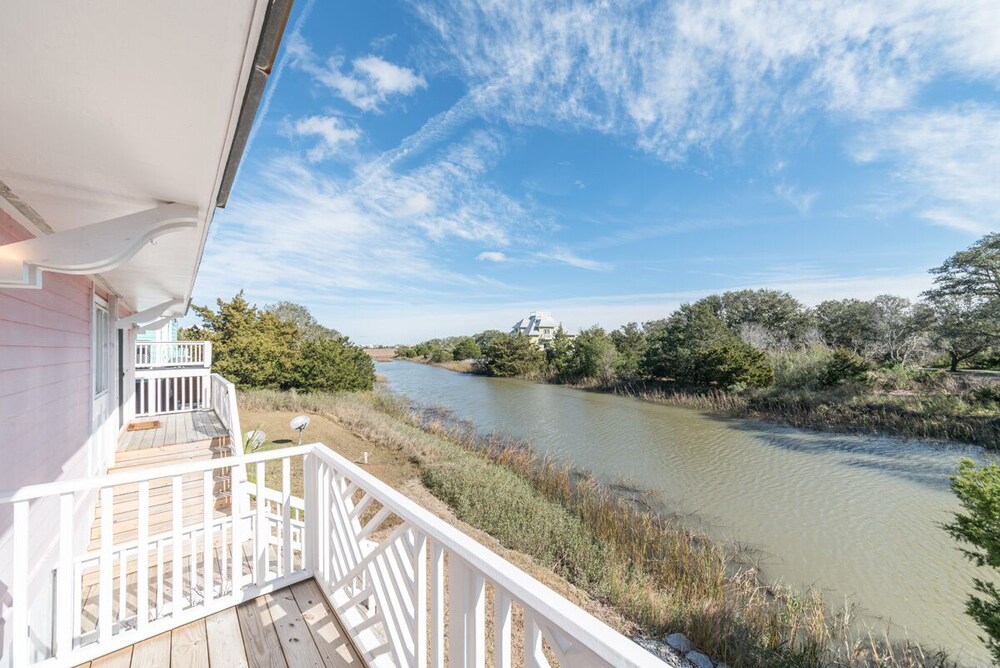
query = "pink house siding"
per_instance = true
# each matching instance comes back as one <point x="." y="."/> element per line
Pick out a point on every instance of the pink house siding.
<point x="44" y="373"/>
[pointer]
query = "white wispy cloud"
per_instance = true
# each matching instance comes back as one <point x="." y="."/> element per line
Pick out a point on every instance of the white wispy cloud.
<point x="492" y="256"/>
<point x="950" y="158"/>
<point x="367" y="83"/>
<point x="331" y="132"/>
<point x="568" y="257"/>
<point x="677" y="76"/>
<point x="802" y="200"/>
<point x="304" y="231"/>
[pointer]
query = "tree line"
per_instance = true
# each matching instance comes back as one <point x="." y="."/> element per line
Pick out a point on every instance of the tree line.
<point x="279" y="346"/>
<point x="762" y="338"/>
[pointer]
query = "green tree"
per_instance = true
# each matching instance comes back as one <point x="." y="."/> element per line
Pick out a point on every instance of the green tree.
<point x="732" y="363"/>
<point x="307" y="325"/>
<point x="487" y="337"/>
<point x="467" y="349"/>
<point x="594" y="356"/>
<point x="900" y="330"/>
<point x="973" y="272"/>
<point x="966" y="300"/>
<point x="559" y="352"/>
<point x="674" y="344"/>
<point x="334" y="365"/>
<point x="962" y="327"/>
<point x="844" y="366"/>
<point x="848" y="323"/>
<point x="775" y="312"/>
<point x="630" y="342"/>
<point x="511" y="356"/>
<point x="249" y="347"/>
<point x="978" y="492"/>
<point x="438" y="354"/>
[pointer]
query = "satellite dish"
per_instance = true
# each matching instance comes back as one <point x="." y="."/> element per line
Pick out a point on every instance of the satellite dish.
<point x="299" y="424"/>
<point x="255" y="438"/>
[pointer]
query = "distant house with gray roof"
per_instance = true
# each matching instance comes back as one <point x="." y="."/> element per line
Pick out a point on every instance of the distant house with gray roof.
<point x="538" y="326"/>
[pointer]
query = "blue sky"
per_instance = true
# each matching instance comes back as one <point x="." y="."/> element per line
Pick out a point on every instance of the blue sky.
<point x="427" y="169"/>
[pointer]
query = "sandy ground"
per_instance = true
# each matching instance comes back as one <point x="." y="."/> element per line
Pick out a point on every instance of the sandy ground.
<point x="381" y="354"/>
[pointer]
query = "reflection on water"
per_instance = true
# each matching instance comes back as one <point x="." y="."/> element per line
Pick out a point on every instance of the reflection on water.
<point x="855" y="516"/>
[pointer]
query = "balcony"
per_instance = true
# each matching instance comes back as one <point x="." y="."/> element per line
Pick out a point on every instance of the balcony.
<point x="403" y="586"/>
<point x="172" y="376"/>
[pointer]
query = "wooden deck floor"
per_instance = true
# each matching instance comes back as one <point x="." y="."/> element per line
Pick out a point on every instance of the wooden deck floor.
<point x="290" y="628"/>
<point x="186" y="427"/>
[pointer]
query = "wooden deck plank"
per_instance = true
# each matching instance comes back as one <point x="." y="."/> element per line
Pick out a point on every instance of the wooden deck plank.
<point x="198" y="425"/>
<point x="225" y="643"/>
<point x="263" y="650"/>
<point x="289" y="628"/>
<point x="331" y="641"/>
<point x="293" y="633"/>
<point x="153" y="652"/>
<point x="120" y="659"/>
<point x="189" y="645"/>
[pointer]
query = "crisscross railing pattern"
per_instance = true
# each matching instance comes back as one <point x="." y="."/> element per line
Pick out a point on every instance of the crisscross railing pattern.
<point x="409" y="588"/>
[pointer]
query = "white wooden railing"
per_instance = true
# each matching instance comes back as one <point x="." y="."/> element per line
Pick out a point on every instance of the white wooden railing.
<point x="171" y="390"/>
<point x="392" y="571"/>
<point x="175" y="376"/>
<point x="161" y="354"/>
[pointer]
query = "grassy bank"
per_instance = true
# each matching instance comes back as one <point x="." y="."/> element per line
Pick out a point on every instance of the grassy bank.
<point x="654" y="572"/>
<point x="955" y="412"/>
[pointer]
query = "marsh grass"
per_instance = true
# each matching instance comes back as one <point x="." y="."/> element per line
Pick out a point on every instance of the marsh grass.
<point x="964" y="416"/>
<point x="607" y="540"/>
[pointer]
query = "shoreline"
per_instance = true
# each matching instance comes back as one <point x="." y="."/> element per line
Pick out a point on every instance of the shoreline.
<point x="864" y="415"/>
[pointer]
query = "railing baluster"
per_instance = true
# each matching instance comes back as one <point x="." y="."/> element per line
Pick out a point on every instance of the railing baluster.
<point x="193" y="567"/>
<point x="142" y="564"/>
<point x="260" y="557"/>
<point x="223" y="552"/>
<point x="176" y="601"/>
<point x="502" y="626"/>
<point x="236" y="501"/>
<point x="420" y="600"/>
<point x="437" y="605"/>
<point x="208" y="559"/>
<point x="466" y="614"/>
<point x="159" y="578"/>
<point x="105" y="568"/>
<point x="64" y="578"/>
<point x="286" y="516"/>
<point x="534" y="657"/>
<point x="122" y="585"/>
<point x="19" y="586"/>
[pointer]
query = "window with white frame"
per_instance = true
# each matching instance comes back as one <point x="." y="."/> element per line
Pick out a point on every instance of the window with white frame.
<point x="101" y="349"/>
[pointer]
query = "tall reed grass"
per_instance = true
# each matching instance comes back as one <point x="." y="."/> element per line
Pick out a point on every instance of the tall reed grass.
<point x="661" y="576"/>
<point x="939" y="416"/>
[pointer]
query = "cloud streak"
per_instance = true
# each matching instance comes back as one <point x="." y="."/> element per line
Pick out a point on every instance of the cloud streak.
<point x="951" y="157"/>
<point x="367" y="84"/>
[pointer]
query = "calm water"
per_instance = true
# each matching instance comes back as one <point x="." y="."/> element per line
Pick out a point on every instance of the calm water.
<point x="853" y="516"/>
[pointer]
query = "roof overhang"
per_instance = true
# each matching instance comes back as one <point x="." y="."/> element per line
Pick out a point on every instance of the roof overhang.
<point x="115" y="111"/>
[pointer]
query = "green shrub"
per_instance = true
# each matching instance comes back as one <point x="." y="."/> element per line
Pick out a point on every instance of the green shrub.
<point x="844" y="367"/>
<point x="438" y="355"/>
<point x="802" y="369"/>
<point x="978" y="490"/>
<point x="735" y="363"/>
<point x="505" y="505"/>
<point x="333" y="365"/>
<point x="511" y="356"/>
<point x="466" y="349"/>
